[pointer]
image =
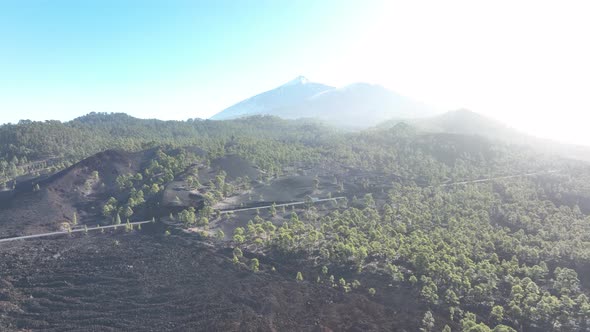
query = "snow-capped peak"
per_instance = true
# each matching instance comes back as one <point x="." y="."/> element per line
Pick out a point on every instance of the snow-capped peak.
<point x="297" y="80"/>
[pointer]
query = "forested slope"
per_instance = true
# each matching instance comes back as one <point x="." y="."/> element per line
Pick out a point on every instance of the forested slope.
<point x="504" y="253"/>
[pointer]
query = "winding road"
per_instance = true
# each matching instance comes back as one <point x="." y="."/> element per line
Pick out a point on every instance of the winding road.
<point x="24" y="237"/>
<point x="280" y="205"/>
<point x="492" y="179"/>
<point x="315" y="200"/>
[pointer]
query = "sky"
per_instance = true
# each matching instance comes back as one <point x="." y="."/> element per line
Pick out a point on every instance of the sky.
<point x="526" y="63"/>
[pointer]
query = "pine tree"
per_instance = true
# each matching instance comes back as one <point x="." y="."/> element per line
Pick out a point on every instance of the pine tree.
<point x="427" y="322"/>
<point x="342" y="282"/>
<point x="254" y="264"/>
<point x="128" y="211"/>
<point x="497" y="314"/>
<point x="273" y="209"/>
<point x="299" y="276"/>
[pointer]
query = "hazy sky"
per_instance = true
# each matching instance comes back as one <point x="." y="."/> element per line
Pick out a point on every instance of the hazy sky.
<point x="526" y="63"/>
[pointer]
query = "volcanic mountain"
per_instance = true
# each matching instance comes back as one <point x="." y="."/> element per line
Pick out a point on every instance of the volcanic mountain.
<point x="290" y="94"/>
<point x="354" y="106"/>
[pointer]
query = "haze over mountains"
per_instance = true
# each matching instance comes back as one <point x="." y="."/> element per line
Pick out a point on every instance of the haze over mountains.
<point x="212" y="196"/>
<point x="354" y="106"/>
<point x="362" y="105"/>
<point x="464" y="122"/>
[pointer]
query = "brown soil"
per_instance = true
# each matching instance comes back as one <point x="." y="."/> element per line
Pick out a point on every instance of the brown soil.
<point x="158" y="283"/>
<point x="28" y="211"/>
<point x="145" y="281"/>
<point x="234" y="166"/>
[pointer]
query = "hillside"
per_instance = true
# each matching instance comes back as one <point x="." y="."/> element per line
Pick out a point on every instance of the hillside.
<point x="270" y="224"/>
<point x="80" y="189"/>
<point x="465" y="122"/>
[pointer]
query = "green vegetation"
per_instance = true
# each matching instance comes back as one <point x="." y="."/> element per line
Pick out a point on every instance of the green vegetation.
<point x="31" y="146"/>
<point x="254" y="265"/>
<point x="507" y="253"/>
<point x="187" y="216"/>
<point x="427" y="322"/>
<point x="467" y="245"/>
<point x="299" y="276"/>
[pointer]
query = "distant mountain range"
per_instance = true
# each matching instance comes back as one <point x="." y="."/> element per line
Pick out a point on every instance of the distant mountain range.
<point x="362" y="105"/>
<point x="355" y="106"/>
<point x="465" y="122"/>
<point x="468" y="123"/>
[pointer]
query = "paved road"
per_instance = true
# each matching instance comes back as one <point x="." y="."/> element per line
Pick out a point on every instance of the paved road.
<point x="81" y="229"/>
<point x="280" y="205"/>
<point x="266" y="207"/>
<point x="492" y="179"/>
<point x="73" y="231"/>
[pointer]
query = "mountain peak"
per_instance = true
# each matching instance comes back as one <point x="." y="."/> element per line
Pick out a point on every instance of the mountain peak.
<point x="356" y="105"/>
<point x="298" y="80"/>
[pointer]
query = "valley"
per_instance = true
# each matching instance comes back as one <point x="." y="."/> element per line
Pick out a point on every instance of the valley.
<point x="296" y="226"/>
<point x="159" y="171"/>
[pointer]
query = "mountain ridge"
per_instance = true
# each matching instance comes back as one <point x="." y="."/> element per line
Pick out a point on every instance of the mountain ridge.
<point x="469" y="123"/>
<point x="288" y="94"/>
<point x="356" y="105"/>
